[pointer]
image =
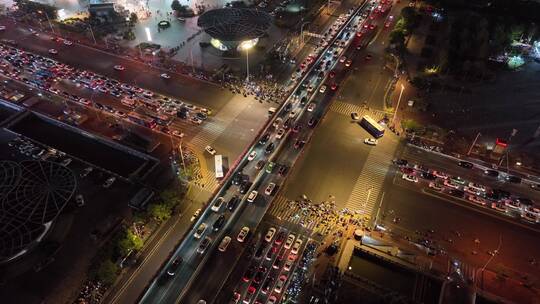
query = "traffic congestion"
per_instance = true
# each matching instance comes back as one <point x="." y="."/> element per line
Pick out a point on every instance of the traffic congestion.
<point x="494" y="198"/>
<point x="254" y="181"/>
<point x="121" y="100"/>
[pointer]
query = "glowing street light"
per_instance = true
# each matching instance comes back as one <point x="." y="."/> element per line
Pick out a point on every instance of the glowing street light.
<point x="246" y="45"/>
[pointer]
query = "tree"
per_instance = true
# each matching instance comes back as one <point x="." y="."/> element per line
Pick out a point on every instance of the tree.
<point x="128" y="242"/>
<point x="160" y="212"/>
<point x="133" y="19"/>
<point x="411" y="17"/>
<point x="176" y="6"/>
<point x="107" y="272"/>
<point x="397" y="37"/>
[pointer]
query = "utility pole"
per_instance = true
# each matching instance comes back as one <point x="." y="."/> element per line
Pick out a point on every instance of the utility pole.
<point x="397" y="106"/>
<point x="474" y="143"/>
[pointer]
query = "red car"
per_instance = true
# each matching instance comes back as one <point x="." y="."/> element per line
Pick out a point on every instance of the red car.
<point x="332" y="74"/>
<point x="368" y="57"/>
<point x="334" y="86"/>
<point x="372" y="26"/>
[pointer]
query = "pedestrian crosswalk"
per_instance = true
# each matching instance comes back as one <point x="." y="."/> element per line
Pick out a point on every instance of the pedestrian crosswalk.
<point x="345" y="108"/>
<point x="368" y="185"/>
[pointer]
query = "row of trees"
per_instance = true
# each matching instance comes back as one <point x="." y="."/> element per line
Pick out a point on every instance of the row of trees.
<point x="408" y="20"/>
<point x="32" y="7"/>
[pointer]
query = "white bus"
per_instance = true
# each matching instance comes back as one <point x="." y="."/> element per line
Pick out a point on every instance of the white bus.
<point x="218" y="162"/>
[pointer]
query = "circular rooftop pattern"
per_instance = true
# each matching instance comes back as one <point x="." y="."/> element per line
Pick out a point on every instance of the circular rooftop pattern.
<point x="33" y="195"/>
<point x="235" y="24"/>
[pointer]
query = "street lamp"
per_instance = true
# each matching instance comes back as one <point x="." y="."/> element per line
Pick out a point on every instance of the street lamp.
<point x="48" y="20"/>
<point x="246" y="45"/>
<point x="302" y="31"/>
<point x="397" y="106"/>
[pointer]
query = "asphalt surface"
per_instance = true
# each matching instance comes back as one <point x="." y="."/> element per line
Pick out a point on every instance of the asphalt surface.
<point x="250" y="216"/>
<point x="188" y="89"/>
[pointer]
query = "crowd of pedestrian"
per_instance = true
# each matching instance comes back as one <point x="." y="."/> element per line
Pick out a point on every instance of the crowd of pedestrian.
<point x="91" y="293"/>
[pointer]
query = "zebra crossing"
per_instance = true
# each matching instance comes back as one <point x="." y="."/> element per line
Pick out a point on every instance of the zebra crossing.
<point x="345" y="108"/>
<point x="282" y="209"/>
<point x="368" y="185"/>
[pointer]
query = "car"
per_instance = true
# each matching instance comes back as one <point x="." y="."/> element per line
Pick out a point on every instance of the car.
<point x="513" y="179"/>
<point x="249" y="294"/>
<point x="368" y="57"/>
<point x="465" y="164"/>
<point x="231" y="204"/>
<point x="195" y="214"/>
<point x="269" y="148"/>
<point x="108" y="183"/>
<point x="451" y="184"/>
<point x="280" y="133"/>
<point x="270" y="234"/>
<point x="312" y="122"/>
<point x="440" y="174"/>
<point x="267" y="285"/>
<point x="67" y="42"/>
<point x="428" y="176"/>
<point x="280" y="237"/>
<point x="535" y="187"/>
<point x="270" y="189"/>
<point x="477" y="187"/>
<point x="204" y="245"/>
<point x="252" y="155"/>
<point x="288" y="265"/>
<point x="235" y="298"/>
<point x="242" y="234"/>
<point x="86" y="171"/>
<point x="252" y="196"/>
<point x="119" y="67"/>
<point x="200" y="231"/>
<point x="348" y="63"/>
<point x="283" y="170"/>
<point x="165" y="76"/>
<point x="322" y="89"/>
<point x="332" y="74"/>
<point x="492" y="173"/>
<point x="296" y="247"/>
<point x="334" y="86"/>
<point x="410" y="178"/>
<point x="177" y="133"/>
<point x="270" y="167"/>
<point x="355" y="116"/>
<point x="224" y="243"/>
<point x="259" y="275"/>
<point x="311" y="107"/>
<point x="299" y="143"/>
<point x="476" y="199"/>
<point x="248" y="274"/>
<point x="260" y="164"/>
<point x="289" y="241"/>
<point x="210" y="150"/>
<point x="79" y="200"/>
<point x="244" y="187"/>
<point x="342" y="59"/>
<point x="196" y="120"/>
<point x="217" y="204"/>
<point x="271" y="300"/>
<point x="218" y="223"/>
<point x="371" y="141"/>
<point x="297" y="128"/>
<point x="53" y="51"/>
<point x="435" y="186"/>
<point x="280" y="283"/>
<point x="174" y="266"/>
<point x="2" y="27"/>
<point x="458" y="180"/>
<point x="264" y="139"/>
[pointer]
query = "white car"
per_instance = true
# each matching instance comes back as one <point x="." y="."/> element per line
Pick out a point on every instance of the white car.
<point x="289" y="241"/>
<point x="217" y="204"/>
<point x="279" y="133"/>
<point x="165" y="76"/>
<point x="371" y="141"/>
<point x="440" y="174"/>
<point x="252" y="155"/>
<point x="196" y="214"/>
<point x="477" y="187"/>
<point x="210" y="150"/>
<point x="280" y="283"/>
<point x="288" y="265"/>
<point x="355" y="116"/>
<point x="243" y="234"/>
<point x="450" y="184"/>
<point x="119" y="67"/>
<point x="53" y="51"/>
<point x="224" y="243"/>
<point x="79" y="199"/>
<point x="67" y="42"/>
<point x="296" y="246"/>
<point x="2" y="27"/>
<point x="410" y="178"/>
<point x="311" y="107"/>
<point x="200" y="231"/>
<point x="252" y="196"/>
<point x="109" y="182"/>
<point x="342" y="59"/>
<point x="322" y="89"/>
<point x="269" y="189"/>
<point x="177" y="133"/>
<point x="270" y="234"/>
